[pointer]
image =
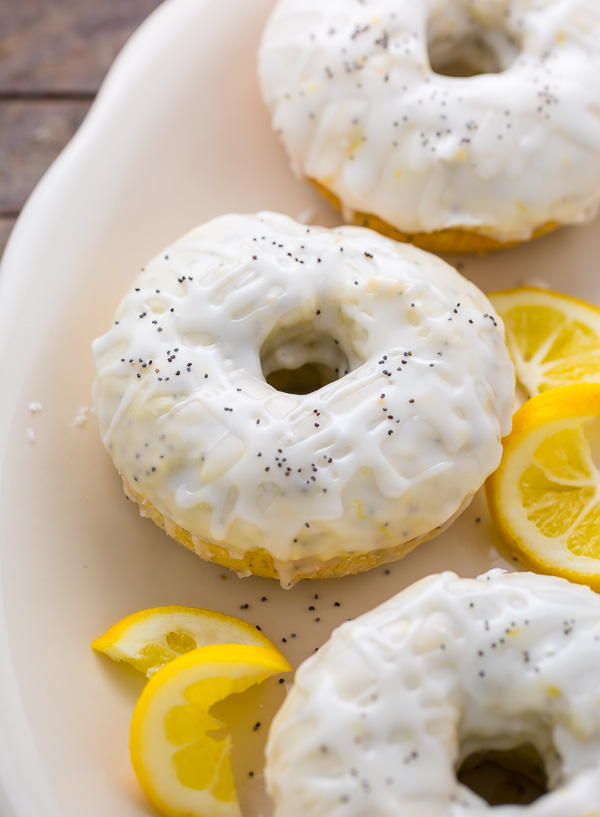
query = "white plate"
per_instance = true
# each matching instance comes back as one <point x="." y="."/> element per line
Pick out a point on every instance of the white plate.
<point x="178" y="135"/>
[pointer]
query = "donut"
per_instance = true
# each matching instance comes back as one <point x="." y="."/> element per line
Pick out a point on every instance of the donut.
<point x="297" y="402"/>
<point x="380" y="719"/>
<point x="456" y="125"/>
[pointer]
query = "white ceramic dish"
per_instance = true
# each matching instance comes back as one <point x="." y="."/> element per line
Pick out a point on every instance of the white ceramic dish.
<point x="177" y="135"/>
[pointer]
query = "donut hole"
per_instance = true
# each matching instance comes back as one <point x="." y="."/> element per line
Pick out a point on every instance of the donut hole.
<point x="463" y="46"/>
<point x="505" y="777"/>
<point x="301" y="360"/>
<point x="308" y="378"/>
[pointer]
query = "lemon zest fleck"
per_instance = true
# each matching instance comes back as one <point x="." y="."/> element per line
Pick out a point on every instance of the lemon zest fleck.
<point x="554" y="691"/>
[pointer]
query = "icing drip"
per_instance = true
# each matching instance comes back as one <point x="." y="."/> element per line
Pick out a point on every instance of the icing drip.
<point x="503" y="152"/>
<point x="381" y="717"/>
<point x="417" y="388"/>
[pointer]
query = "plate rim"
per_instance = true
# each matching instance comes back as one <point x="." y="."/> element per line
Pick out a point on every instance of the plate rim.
<point x="25" y="789"/>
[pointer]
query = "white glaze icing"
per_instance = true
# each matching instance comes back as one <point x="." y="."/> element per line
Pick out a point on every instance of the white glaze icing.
<point x="380" y="718"/>
<point x="359" y="108"/>
<point x="384" y="454"/>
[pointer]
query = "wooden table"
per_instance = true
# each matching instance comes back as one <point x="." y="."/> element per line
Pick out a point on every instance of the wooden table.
<point x="53" y="57"/>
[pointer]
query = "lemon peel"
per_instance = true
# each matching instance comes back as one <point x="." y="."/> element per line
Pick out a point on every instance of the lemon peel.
<point x="183" y="769"/>
<point x="553" y="339"/>
<point x="150" y="638"/>
<point x="545" y="496"/>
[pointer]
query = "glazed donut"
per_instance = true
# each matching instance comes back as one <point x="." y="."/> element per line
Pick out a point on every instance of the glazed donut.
<point x="379" y="720"/>
<point x="372" y="103"/>
<point x="293" y="401"/>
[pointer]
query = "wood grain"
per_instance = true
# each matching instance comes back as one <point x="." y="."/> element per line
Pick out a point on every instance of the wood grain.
<point x="35" y="133"/>
<point x="63" y="46"/>
<point x="6" y="225"/>
<point x="54" y="55"/>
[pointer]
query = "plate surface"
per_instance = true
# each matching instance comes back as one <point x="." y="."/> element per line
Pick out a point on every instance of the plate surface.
<point x="177" y="135"/>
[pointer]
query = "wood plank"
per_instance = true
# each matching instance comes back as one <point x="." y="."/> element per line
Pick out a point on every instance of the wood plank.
<point x="6" y="225"/>
<point x="63" y="46"/>
<point x="33" y="134"/>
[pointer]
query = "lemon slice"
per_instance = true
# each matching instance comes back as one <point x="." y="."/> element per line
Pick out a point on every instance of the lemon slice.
<point x="545" y="496"/>
<point x="183" y="769"/>
<point x="553" y="339"/>
<point x="151" y="638"/>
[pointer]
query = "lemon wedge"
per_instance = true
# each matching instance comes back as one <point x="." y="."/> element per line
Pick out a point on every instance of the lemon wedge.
<point x="553" y="339"/>
<point x="151" y="638"/>
<point x="545" y="496"/>
<point x="184" y="770"/>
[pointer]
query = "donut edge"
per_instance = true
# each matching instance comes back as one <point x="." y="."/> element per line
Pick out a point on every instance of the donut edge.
<point x="451" y="240"/>
<point x="259" y="562"/>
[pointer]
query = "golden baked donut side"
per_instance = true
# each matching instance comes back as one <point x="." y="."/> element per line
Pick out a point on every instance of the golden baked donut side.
<point x="298" y="401"/>
<point x="259" y="562"/>
<point x="452" y="240"/>
<point x="462" y="127"/>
